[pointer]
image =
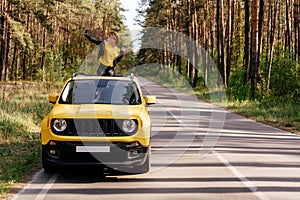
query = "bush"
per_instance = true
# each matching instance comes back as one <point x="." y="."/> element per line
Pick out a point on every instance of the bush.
<point x="236" y="89"/>
<point x="284" y="80"/>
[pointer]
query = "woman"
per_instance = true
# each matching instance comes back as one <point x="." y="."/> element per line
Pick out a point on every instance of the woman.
<point x="109" y="54"/>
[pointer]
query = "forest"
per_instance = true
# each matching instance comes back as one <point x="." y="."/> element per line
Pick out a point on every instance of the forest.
<point x="255" y="44"/>
<point x="43" y="40"/>
<point x="41" y="45"/>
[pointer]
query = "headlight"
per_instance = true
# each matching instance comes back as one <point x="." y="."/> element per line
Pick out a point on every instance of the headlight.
<point x="129" y="126"/>
<point x="60" y="125"/>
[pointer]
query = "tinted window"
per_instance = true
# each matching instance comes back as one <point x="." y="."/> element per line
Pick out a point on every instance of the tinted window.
<point x="101" y="92"/>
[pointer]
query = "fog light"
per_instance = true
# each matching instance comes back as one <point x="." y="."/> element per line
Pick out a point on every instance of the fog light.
<point x="52" y="152"/>
<point x="133" y="154"/>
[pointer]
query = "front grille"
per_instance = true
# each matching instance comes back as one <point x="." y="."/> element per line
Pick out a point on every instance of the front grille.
<point x="93" y="128"/>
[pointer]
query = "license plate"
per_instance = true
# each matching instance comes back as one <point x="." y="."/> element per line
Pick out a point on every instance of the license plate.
<point x="93" y="149"/>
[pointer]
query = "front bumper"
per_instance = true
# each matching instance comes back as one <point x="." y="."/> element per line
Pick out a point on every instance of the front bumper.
<point x="120" y="154"/>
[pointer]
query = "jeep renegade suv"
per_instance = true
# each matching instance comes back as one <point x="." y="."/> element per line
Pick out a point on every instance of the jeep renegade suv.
<point x="98" y="121"/>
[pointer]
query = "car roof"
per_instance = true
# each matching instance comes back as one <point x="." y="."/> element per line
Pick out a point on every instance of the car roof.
<point x="94" y="77"/>
<point x="102" y="78"/>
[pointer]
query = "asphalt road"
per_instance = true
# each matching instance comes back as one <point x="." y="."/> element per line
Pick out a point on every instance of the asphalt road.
<point x="249" y="160"/>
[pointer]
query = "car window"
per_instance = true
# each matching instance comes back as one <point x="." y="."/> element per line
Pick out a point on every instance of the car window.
<point x="100" y="92"/>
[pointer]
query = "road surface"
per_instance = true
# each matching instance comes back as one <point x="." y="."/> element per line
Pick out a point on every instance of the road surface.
<point x="249" y="161"/>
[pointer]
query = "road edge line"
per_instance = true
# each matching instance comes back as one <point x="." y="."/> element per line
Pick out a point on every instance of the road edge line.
<point x="35" y="176"/>
<point x="47" y="187"/>
<point x="248" y="183"/>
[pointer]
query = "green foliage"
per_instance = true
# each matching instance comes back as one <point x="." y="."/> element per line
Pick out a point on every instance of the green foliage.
<point x="19" y="34"/>
<point x="21" y="113"/>
<point x="19" y="160"/>
<point x="30" y="104"/>
<point x="47" y="41"/>
<point x="270" y="109"/>
<point x="236" y="89"/>
<point x="284" y="78"/>
<point x="166" y="77"/>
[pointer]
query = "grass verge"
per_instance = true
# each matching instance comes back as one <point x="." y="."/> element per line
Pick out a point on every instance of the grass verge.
<point x="278" y="113"/>
<point x="22" y="109"/>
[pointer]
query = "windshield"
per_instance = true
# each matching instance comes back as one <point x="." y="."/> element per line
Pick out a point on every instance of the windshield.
<point x="100" y="92"/>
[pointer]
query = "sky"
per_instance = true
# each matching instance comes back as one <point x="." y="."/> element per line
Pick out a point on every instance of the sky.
<point x="131" y="6"/>
<point x="130" y="15"/>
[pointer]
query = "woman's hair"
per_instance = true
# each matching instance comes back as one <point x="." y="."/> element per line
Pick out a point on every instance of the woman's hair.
<point x="115" y="35"/>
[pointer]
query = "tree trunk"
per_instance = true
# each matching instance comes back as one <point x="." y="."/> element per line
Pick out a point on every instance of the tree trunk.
<point x="3" y="38"/>
<point x="229" y="34"/>
<point x="13" y="64"/>
<point x="206" y="41"/>
<point x="195" y="40"/>
<point x="44" y="55"/>
<point x="297" y="42"/>
<point x="254" y="46"/>
<point x="247" y="43"/>
<point x="179" y="39"/>
<point x="272" y="41"/>
<point x="296" y="33"/>
<point x="187" y="26"/>
<point x="260" y="26"/>
<point x="221" y="51"/>
<point x="288" y="32"/>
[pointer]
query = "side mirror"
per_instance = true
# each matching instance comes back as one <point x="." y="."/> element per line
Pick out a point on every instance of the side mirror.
<point x="150" y="100"/>
<point x="52" y="98"/>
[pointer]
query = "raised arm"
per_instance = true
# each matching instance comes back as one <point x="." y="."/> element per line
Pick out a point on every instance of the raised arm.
<point x="91" y="38"/>
<point x="119" y="57"/>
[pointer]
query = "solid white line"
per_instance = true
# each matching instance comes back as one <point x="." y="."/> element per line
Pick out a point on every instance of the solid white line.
<point x="34" y="178"/>
<point x="47" y="187"/>
<point x="249" y="184"/>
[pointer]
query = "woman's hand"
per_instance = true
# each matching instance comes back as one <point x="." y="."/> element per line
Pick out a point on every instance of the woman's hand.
<point x="123" y="50"/>
<point x="85" y="32"/>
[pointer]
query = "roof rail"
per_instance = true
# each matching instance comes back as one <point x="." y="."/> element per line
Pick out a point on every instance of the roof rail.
<point x="132" y="76"/>
<point x="78" y="74"/>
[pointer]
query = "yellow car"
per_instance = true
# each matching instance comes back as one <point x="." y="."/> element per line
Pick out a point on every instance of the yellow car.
<point x="98" y="120"/>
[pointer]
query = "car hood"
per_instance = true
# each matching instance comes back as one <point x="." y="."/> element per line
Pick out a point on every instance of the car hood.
<point x="96" y="111"/>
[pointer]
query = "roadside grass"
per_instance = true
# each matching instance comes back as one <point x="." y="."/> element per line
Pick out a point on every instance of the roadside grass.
<point x="277" y="112"/>
<point x="22" y="109"/>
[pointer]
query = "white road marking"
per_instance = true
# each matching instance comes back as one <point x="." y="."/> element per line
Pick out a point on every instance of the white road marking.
<point x="34" y="178"/>
<point x="47" y="187"/>
<point x="249" y="184"/>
